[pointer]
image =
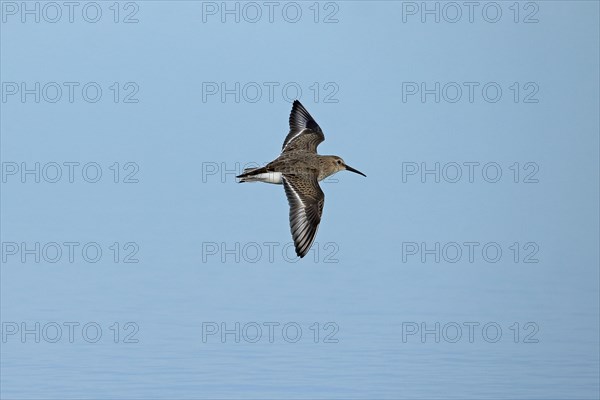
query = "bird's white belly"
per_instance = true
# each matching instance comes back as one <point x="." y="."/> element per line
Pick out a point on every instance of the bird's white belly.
<point x="269" y="177"/>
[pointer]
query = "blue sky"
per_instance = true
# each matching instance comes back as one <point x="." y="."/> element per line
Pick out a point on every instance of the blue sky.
<point x="476" y="135"/>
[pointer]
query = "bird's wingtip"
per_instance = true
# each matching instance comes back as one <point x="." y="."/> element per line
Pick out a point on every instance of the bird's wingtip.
<point x="296" y="104"/>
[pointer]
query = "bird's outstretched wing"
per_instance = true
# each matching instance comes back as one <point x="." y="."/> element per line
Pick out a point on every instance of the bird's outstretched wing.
<point x="305" y="134"/>
<point x="306" y="207"/>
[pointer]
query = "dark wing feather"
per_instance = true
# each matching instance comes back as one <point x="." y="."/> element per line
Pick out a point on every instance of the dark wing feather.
<point x="305" y="133"/>
<point x="306" y="201"/>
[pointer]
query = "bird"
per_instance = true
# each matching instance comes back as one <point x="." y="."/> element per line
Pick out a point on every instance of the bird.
<point x="300" y="169"/>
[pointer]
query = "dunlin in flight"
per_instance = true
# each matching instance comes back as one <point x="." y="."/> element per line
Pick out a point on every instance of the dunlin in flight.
<point x="299" y="168"/>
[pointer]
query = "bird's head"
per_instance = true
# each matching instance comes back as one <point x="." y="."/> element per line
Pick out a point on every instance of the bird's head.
<point x="335" y="164"/>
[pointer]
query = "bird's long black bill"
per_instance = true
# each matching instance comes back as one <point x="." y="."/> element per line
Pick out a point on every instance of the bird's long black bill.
<point x="355" y="171"/>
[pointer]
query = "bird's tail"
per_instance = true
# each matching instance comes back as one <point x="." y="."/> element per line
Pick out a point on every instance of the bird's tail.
<point x="249" y="174"/>
<point x="261" y="174"/>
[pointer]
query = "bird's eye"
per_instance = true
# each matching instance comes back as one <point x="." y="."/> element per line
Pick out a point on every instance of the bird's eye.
<point x="339" y="162"/>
